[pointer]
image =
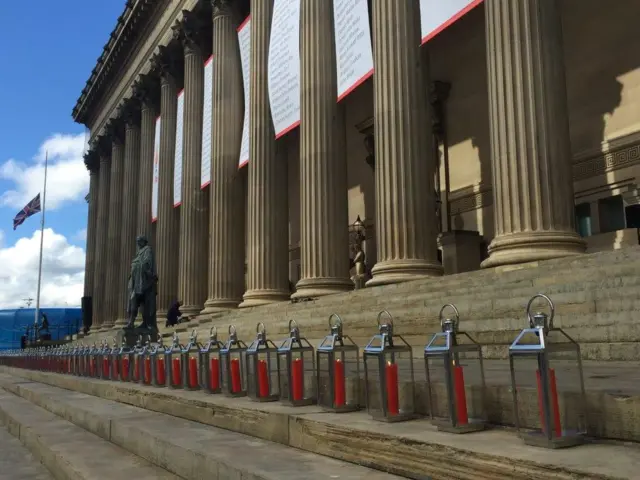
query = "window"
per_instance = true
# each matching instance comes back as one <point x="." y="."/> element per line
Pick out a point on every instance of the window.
<point x="583" y="219"/>
<point x="612" y="216"/>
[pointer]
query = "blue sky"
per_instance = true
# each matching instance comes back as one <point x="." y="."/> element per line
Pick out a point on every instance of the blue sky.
<point x="47" y="51"/>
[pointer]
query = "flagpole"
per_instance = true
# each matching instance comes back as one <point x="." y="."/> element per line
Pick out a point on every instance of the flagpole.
<point x="44" y="202"/>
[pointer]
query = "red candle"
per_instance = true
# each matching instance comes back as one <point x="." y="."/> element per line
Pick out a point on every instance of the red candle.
<point x="125" y="369"/>
<point x="297" y="379"/>
<point x="160" y="371"/>
<point x="136" y="369"/>
<point x="392" y="389"/>
<point x="147" y="370"/>
<point x="175" y="374"/>
<point x="263" y="379"/>
<point x="235" y="375"/>
<point x="338" y="384"/>
<point x="193" y="372"/>
<point x="461" y="395"/>
<point x="555" y="407"/>
<point x="115" y="369"/>
<point x="105" y="367"/>
<point x="214" y="374"/>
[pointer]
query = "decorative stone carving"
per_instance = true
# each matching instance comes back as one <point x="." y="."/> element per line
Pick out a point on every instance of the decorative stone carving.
<point x="221" y="8"/>
<point x="92" y="160"/>
<point x="188" y="31"/>
<point x="146" y="90"/>
<point x="166" y="63"/>
<point x="129" y="111"/>
<point x="115" y="131"/>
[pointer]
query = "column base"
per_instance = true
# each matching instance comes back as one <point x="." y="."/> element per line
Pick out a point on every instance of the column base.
<point x="219" y="305"/>
<point x="398" y="271"/>
<point x="190" y="310"/>
<point x="460" y="251"/>
<point x="320" y="287"/>
<point x="120" y="322"/>
<point x="256" y="298"/>
<point x="517" y="248"/>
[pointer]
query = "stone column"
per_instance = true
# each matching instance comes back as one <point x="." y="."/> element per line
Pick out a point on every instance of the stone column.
<point x="146" y="92"/>
<point x="114" y="238"/>
<point x="530" y="144"/>
<point x="406" y="221"/>
<point x="100" y="290"/>
<point x="194" y="221"/>
<point x="324" y="229"/>
<point x="168" y="223"/>
<point x="92" y="218"/>
<point x="227" y="246"/>
<point x="268" y="225"/>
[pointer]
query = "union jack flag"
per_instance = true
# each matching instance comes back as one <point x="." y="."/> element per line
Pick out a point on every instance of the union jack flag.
<point x="31" y="208"/>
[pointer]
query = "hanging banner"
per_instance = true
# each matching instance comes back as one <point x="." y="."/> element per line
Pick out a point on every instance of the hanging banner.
<point x="354" y="54"/>
<point x="284" y="66"/>
<point x="177" y="169"/>
<point x="207" y="116"/>
<point x="156" y="172"/>
<point x="244" y="39"/>
<point x="437" y="15"/>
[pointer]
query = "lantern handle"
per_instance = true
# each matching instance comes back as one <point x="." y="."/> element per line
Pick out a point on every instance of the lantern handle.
<point x="262" y="330"/>
<point x="385" y="312"/>
<point x="454" y="308"/>
<point x="293" y="324"/>
<point x="232" y="329"/>
<point x="213" y="332"/>
<point x="335" y="320"/>
<point x="549" y="302"/>
<point x="194" y="336"/>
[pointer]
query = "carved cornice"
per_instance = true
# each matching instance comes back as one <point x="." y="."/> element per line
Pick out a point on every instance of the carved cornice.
<point x="619" y="153"/>
<point x="188" y="31"/>
<point x="470" y="198"/>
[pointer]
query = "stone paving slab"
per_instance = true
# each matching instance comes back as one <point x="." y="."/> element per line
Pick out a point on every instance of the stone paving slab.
<point x="15" y="458"/>
<point x="414" y="449"/>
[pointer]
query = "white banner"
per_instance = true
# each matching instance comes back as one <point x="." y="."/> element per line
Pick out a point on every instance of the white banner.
<point x="177" y="169"/>
<point x="205" y="163"/>
<point x="284" y="66"/>
<point x="354" y="55"/>
<point x="244" y="39"/>
<point x="436" y="15"/>
<point x="156" y="172"/>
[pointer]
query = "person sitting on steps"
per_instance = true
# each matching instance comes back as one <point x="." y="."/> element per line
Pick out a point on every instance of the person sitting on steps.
<point x="174" y="314"/>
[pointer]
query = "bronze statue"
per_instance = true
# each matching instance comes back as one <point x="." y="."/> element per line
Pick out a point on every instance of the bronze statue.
<point x="142" y="286"/>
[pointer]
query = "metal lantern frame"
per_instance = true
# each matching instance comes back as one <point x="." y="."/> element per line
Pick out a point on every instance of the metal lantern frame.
<point x="90" y="355"/>
<point x="114" y="363"/>
<point x="334" y="345"/>
<point x="102" y="355"/>
<point x="231" y="348"/>
<point x="140" y="359"/>
<point x="125" y="362"/>
<point x="444" y="345"/>
<point x="188" y="373"/>
<point x="261" y="345"/>
<point x="210" y="374"/>
<point x="541" y="325"/>
<point x="296" y="345"/>
<point x="158" y="372"/>
<point x="169" y="353"/>
<point x="387" y="346"/>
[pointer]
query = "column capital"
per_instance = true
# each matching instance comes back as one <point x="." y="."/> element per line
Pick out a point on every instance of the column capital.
<point x="115" y="131"/>
<point x="166" y="63"/>
<point x="188" y="31"/>
<point x="92" y="160"/>
<point x="129" y="111"/>
<point x="146" y="90"/>
<point x="222" y="8"/>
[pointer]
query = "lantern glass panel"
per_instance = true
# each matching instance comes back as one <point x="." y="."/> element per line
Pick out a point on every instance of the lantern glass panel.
<point x="158" y="371"/>
<point x="114" y="371"/>
<point x="296" y="369"/>
<point x="233" y="359"/>
<point x="262" y="368"/>
<point x="190" y="363"/>
<point x="126" y="364"/>
<point x="138" y="364"/>
<point x="210" y="374"/>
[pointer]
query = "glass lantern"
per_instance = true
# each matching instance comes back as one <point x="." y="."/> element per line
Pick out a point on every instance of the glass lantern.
<point x="173" y="363"/>
<point x="156" y="357"/>
<point x="296" y="369"/>
<point x="455" y="378"/>
<point x="98" y="359"/>
<point x="233" y="358"/>
<point x="125" y="362"/>
<point x="136" y="360"/>
<point x="338" y="375"/>
<point x="113" y="372"/>
<point x="546" y="360"/>
<point x="91" y="355"/>
<point x="210" y="373"/>
<point x="189" y="362"/>
<point x="75" y="359"/>
<point x="139" y="361"/>
<point x="262" y="368"/>
<point x="388" y="374"/>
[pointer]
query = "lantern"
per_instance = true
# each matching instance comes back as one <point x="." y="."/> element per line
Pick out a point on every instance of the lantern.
<point x="99" y="366"/>
<point x="210" y="373"/>
<point x="189" y="362"/>
<point x="338" y="376"/>
<point x="140" y="361"/>
<point x="156" y="358"/>
<point x="77" y="354"/>
<point x="113" y="358"/>
<point x="233" y="357"/>
<point x="538" y="356"/>
<point x="296" y="369"/>
<point x="262" y="368"/>
<point x="91" y="364"/>
<point x="388" y="374"/>
<point x="173" y="363"/>
<point x="453" y="360"/>
<point x="125" y="362"/>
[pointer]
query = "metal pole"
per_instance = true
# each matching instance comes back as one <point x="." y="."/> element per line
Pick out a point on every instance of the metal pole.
<point x="44" y="201"/>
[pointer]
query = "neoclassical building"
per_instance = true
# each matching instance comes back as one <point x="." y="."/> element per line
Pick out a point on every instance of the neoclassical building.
<point x="511" y="135"/>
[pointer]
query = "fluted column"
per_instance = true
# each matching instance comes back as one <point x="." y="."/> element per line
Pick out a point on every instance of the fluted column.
<point x="100" y="291"/>
<point x="114" y="239"/>
<point x="226" y="209"/>
<point x="530" y="144"/>
<point x="168" y="223"/>
<point x="92" y="218"/>
<point x="268" y="226"/>
<point x="324" y="235"/>
<point x="194" y="220"/>
<point x="406" y="222"/>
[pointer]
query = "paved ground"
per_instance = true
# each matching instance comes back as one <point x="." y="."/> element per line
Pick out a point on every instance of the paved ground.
<point x="16" y="463"/>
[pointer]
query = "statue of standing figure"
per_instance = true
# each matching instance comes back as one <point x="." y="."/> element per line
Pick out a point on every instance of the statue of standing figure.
<point x="142" y="286"/>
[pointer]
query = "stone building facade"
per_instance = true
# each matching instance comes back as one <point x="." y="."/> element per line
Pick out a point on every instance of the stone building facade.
<point x="512" y="136"/>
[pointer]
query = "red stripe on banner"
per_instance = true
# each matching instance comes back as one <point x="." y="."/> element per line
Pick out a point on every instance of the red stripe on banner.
<point x="452" y="20"/>
<point x="208" y="60"/>
<point x="360" y="81"/>
<point x="205" y="185"/>
<point x="243" y="24"/>
<point x="243" y="164"/>
<point x="176" y="205"/>
<point x="154" y="220"/>
<point x="288" y="129"/>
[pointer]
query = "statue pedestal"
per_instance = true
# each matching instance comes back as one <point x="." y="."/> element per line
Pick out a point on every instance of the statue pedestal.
<point x="460" y="251"/>
<point x="130" y="336"/>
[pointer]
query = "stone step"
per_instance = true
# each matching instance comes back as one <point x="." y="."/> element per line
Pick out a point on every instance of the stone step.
<point x="68" y="451"/>
<point x="18" y="460"/>
<point x="413" y="449"/>
<point x="189" y="449"/>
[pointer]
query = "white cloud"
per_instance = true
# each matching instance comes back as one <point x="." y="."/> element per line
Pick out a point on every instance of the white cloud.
<point x="67" y="177"/>
<point x="62" y="271"/>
